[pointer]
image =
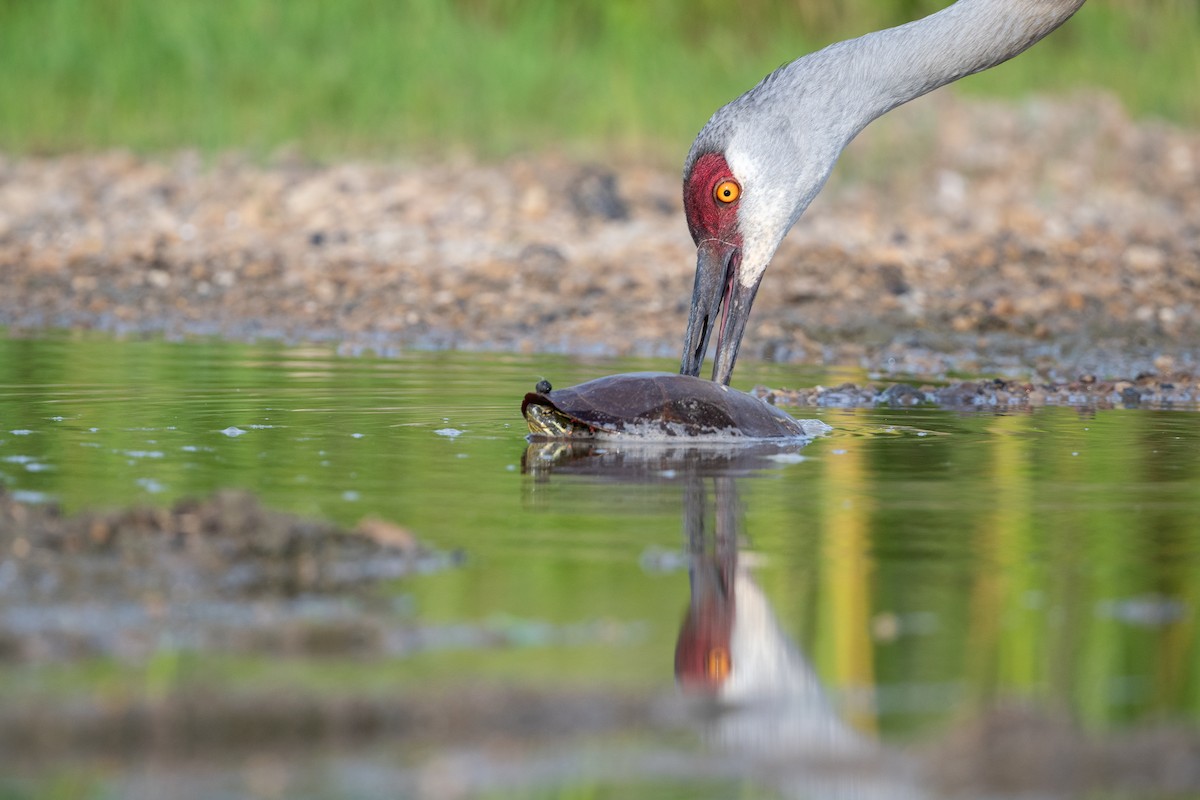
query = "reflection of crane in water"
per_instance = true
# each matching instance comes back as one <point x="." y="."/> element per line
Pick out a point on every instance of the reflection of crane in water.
<point x="774" y="719"/>
<point x="761" y="159"/>
<point x="731" y="645"/>
<point x="774" y="709"/>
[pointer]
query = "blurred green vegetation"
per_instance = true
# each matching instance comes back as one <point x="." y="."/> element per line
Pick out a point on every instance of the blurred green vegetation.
<point x="489" y="76"/>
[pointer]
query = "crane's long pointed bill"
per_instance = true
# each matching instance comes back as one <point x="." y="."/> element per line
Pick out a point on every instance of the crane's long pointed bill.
<point x="716" y="284"/>
<point x="737" y="311"/>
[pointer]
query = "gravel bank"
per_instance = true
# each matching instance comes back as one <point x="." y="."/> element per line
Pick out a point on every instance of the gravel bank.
<point x="221" y="574"/>
<point x="1180" y="391"/>
<point x="1050" y="237"/>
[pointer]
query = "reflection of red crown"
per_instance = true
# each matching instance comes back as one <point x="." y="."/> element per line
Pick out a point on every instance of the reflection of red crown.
<point x="702" y="658"/>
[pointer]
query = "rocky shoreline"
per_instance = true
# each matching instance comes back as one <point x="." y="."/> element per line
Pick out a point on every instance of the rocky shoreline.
<point x="1148" y="391"/>
<point x="223" y="574"/>
<point x="1051" y="238"/>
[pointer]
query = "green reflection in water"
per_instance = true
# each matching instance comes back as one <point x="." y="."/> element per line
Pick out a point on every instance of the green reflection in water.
<point x="926" y="562"/>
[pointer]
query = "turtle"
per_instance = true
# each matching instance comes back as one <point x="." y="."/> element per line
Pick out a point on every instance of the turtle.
<point x="658" y="405"/>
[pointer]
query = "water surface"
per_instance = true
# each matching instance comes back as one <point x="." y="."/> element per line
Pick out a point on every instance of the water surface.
<point x="912" y="570"/>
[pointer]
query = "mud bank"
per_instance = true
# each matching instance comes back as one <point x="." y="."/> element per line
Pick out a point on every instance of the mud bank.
<point x="1179" y="391"/>
<point x="1050" y="236"/>
<point x="222" y="574"/>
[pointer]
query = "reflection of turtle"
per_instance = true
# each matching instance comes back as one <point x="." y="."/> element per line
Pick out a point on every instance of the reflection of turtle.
<point x="657" y="405"/>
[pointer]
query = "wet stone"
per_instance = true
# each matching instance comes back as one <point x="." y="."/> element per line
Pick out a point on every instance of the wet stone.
<point x="594" y="194"/>
<point x="1181" y="391"/>
<point x="221" y="573"/>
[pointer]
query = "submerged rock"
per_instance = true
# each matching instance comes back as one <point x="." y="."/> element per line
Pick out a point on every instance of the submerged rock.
<point x="219" y="573"/>
<point x="1181" y="391"/>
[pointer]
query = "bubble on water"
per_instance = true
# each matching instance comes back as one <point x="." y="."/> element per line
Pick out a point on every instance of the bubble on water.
<point x="451" y="432"/>
<point x="21" y="432"/>
<point x="38" y="466"/>
<point x="144" y="453"/>
<point x="93" y="430"/>
<point x="839" y="452"/>
<point x="19" y="459"/>
<point x="510" y="468"/>
<point x="1147" y="611"/>
<point x="233" y="431"/>
<point x="787" y="458"/>
<point x="357" y="435"/>
<point x="29" y="496"/>
<point x="150" y="485"/>
<point x="350" y="496"/>
<point x="57" y="419"/>
<point x="656" y="560"/>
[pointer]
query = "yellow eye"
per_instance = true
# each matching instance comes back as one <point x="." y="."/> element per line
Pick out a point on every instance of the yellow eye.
<point x="717" y="667"/>
<point x="727" y="191"/>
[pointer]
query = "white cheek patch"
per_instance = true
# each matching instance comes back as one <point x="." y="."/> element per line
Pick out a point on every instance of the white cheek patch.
<point x="772" y="198"/>
<point x="757" y="247"/>
<point x="755" y="257"/>
<point x="763" y="221"/>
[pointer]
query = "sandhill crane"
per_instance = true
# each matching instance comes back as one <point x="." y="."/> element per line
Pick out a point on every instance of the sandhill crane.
<point x="761" y="159"/>
<point x="772" y="713"/>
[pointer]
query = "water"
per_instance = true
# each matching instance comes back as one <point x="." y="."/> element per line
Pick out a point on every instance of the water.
<point x="878" y="591"/>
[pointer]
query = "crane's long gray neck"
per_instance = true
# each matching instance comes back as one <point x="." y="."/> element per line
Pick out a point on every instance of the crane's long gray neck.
<point x="782" y="138"/>
<point x="824" y="99"/>
<point x="893" y="66"/>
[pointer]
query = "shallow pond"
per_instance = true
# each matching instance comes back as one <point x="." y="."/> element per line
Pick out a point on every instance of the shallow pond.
<point x="875" y="596"/>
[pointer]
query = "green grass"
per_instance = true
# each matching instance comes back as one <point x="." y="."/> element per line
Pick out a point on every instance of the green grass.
<point x="490" y="76"/>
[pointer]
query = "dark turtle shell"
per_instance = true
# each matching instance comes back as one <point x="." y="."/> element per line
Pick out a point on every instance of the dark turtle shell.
<point x="655" y="405"/>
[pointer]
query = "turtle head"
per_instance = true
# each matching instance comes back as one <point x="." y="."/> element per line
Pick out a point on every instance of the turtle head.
<point x="547" y="422"/>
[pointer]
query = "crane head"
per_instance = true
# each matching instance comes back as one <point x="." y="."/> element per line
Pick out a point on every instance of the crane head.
<point x="752" y="171"/>
<point x="739" y="204"/>
<point x="740" y="201"/>
<point x="703" y="657"/>
<point x="711" y="196"/>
